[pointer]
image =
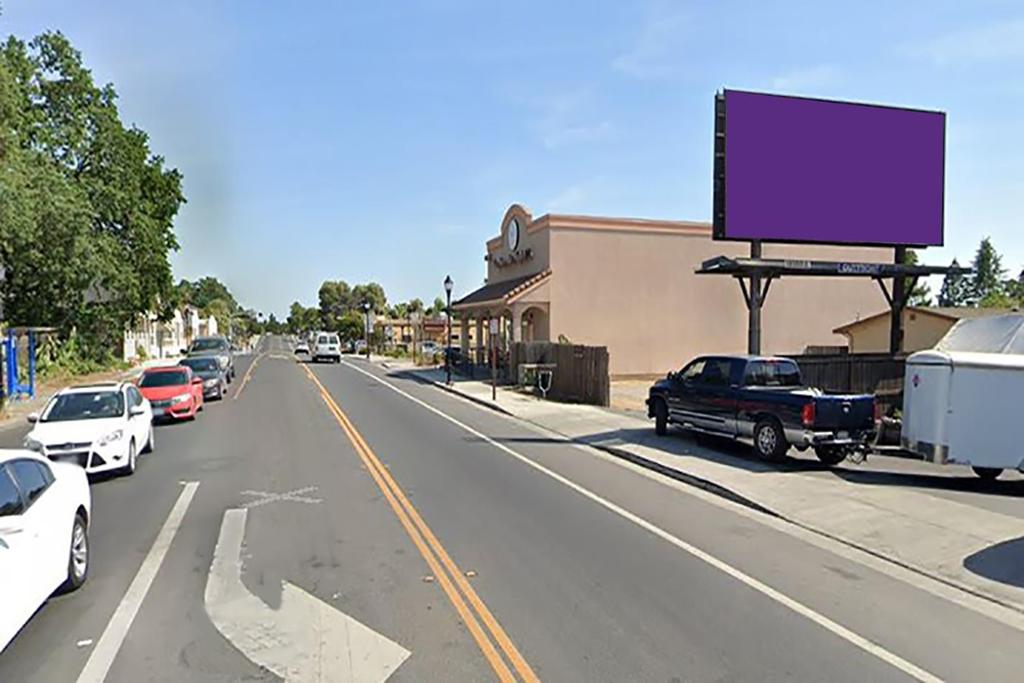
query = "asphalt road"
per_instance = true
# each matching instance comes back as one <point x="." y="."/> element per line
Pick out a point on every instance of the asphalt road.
<point x="480" y="546"/>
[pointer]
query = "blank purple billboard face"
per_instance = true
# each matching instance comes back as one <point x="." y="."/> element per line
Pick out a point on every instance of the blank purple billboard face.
<point x="805" y="170"/>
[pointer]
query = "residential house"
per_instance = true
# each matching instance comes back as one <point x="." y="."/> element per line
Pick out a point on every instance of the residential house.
<point x="923" y="326"/>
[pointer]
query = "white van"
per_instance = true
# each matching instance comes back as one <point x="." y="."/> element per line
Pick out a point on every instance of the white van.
<point x="326" y="347"/>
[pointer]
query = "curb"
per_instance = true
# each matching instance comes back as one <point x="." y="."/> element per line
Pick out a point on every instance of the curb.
<point x="479" y="401"/>
<point x="734" y="497"/>
<point x="411" y="374"/>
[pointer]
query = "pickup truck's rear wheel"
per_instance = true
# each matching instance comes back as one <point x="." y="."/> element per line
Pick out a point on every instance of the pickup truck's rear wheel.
<point x="660" y="418"/>
<point x="988" y="473"/>
<point x="830" y="455"/>
<point x="769" y="440"/>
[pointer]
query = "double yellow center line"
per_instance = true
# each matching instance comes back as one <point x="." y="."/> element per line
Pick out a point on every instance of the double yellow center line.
<point x="485" y="629"/>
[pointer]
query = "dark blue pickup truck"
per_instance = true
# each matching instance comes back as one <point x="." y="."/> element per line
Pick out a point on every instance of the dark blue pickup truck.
<point x="764" y="399"/>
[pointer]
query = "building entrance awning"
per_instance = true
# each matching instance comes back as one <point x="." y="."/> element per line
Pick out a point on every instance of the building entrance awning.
<point x="497" y="295"/>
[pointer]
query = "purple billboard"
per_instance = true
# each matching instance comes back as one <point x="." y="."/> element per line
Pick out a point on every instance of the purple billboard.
<point x="791" y="169"/>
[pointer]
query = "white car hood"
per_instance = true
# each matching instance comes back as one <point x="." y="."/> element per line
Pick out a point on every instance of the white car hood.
<point x="75" y="431"/>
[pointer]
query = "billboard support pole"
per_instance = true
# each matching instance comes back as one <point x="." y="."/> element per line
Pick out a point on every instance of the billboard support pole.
<point x="899" y="300"/>
<point x="754" y="301"/>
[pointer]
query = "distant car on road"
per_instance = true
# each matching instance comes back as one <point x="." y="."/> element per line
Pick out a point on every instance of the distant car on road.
<point x="219" y="347"/>
<point x="45" y="509"/>
<point x="301" y="347"/>
<point x="328" y="347"/>
<point x="215" y="381"/>
<point x="101" y="427"/>
<point x="762" y="398"/>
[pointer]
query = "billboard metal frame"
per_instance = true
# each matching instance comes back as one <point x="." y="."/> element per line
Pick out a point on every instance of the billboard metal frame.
<point x="718" y="210"/>
<point x="760" y="272"/>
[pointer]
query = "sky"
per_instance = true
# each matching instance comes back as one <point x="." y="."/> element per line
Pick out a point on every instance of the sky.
<point x="384" y="140"/>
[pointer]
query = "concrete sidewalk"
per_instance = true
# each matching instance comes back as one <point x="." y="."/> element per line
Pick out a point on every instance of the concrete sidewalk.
<point x="937" y="536"/>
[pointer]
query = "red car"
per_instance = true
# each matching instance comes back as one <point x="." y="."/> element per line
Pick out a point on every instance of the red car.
<point x="172" y="391"/>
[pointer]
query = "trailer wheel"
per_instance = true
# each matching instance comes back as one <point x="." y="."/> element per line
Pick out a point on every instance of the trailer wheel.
<point x="769" y="440"/>
<point x="830" y="455"/>
<point x="987" y="473"/>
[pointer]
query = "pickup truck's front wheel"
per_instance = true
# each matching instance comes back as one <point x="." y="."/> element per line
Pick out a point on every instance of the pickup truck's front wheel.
<point x="769" y="440"/>
<point x="660" y="418"/>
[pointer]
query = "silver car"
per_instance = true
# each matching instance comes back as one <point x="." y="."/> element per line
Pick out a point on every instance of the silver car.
<point x="218" y="347"/>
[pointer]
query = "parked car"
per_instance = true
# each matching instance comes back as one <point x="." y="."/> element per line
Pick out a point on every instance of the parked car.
<point x="762" y="398"/>
<point x="429" y="348"/>
<point x="45" y="510"/>
<point x="328" y="347"/>
<point x="173" y="392"/>
<point x="215" y="381"/>
<point x="101" y="427"/>
<point x="219" y="347"/>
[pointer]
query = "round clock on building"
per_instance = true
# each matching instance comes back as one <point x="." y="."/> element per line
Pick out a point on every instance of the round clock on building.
<point x="512" y="235"/>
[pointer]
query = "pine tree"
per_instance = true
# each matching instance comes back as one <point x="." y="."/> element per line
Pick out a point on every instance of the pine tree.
<point x="955" y="288"/>
<point x="921" y="295"/>
<point x="987" y="280"/>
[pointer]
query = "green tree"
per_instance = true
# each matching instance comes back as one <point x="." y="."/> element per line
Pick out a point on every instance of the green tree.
<point x="86" y="209"/>
<point x="302" y="319"/>
<point x="222" y="310"/>
<point x="351" y="326"/>
<point x="335" y="299"/>
<point x="274" y="326"/>
<point x="204" y="291"/>
<point x="921" y="294"/>
<point x="955" y="289"/>
<point x="986" y="284"/>
<point x="373" y="293"/>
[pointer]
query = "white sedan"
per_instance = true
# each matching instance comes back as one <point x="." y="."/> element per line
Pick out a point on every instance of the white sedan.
<point x="101" y="427"/>
<point x="44" y="534"/>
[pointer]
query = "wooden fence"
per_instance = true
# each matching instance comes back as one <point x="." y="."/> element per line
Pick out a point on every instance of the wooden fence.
<point x="880" y="374"/>
<point x="580" y="374"/>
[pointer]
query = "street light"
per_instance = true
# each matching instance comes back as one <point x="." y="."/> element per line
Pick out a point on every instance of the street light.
<point x="448" y="284"/>
<point x="366" y="311"/>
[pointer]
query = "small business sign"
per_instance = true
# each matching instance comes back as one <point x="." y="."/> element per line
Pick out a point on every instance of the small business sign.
<point x="512" y="258"/>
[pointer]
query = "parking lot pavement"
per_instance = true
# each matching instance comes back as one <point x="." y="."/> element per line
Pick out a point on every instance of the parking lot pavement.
<point x="336" y="520"/>
<point x="941" y="521"/>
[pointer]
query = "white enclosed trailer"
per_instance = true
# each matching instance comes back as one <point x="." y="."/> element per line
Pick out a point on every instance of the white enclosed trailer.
<point x="963" y="399"/>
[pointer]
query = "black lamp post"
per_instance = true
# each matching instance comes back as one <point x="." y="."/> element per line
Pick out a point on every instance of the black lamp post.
<point x="448" y="284"/>
<point x="366" y="311"/>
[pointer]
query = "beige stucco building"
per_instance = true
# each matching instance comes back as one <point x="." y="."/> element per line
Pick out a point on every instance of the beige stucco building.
<point x="629" y="285"/>
<point x="923" y="327"/>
